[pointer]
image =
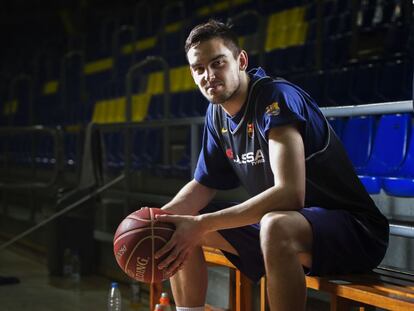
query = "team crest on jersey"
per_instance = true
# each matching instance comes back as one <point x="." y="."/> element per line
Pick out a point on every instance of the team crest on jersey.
<point x="250" y="130"/>
<point x="223" y="130"/>
<point x="273" y="109"/>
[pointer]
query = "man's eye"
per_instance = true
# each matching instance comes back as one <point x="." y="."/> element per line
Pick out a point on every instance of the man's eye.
<point x="219" y="62"/>
<point x="198" y="70"/>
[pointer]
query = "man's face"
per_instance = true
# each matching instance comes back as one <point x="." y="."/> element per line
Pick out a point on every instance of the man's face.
<point x="215" y="70"/>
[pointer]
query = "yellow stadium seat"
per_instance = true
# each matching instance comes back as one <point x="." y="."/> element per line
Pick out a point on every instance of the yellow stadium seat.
<point x="110" y="111"/>
<point x="176" y="80"/>
<point x="99" y="112"/>
<point x="297" y="34"/>
<point x="189" y="84"/>
<point x="119" y="105"/>
<point x="155" y="83"/>
<point x="295" y="15"/>
<point x="286" y="28"/>
<point x="140" y="103"/>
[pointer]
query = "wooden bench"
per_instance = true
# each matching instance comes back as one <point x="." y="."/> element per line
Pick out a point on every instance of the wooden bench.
<point x="390" y="290"/>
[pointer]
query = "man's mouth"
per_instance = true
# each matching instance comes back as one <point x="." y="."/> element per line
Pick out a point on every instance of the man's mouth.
<point x="213" y="87"/>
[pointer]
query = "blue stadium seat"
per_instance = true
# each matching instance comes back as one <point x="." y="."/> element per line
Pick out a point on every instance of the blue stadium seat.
<point x="357" y="138"/>
<point x="114" y="150"/>
<point x="402" y="182"/>
<point x="146" y="148"/>
<point x="44" y="152"/>
<point x="388" y="150"/>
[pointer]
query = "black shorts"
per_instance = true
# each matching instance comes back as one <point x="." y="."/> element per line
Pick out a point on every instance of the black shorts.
<point x="341" y="244"/>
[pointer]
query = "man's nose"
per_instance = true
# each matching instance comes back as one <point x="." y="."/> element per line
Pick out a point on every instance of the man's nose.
<point x="209" y="74"/>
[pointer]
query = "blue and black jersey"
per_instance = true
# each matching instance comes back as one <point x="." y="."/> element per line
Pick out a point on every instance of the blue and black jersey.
<point x="235" y="150"/>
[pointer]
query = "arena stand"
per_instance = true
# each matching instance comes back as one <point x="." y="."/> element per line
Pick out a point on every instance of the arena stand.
<point x="122" y="85"/>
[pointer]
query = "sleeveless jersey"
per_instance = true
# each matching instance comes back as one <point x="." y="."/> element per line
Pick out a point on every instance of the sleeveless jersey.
<point x="236" y="151"/>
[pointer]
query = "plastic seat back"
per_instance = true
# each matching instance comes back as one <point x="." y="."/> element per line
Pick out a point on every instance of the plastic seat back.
<point x="357" y="138"/>
<point x="407" y="167"/>
<point x="390" y="144"/>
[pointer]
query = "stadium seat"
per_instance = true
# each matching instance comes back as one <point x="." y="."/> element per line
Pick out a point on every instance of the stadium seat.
<point x="146" y="148"/>
<point x="388" y="150"/>
<point x="402" y="182"/>
<point x="114" y="150"/>
<point x="357" y="138"/>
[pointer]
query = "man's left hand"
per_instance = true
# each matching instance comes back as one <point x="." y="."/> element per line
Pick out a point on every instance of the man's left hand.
<point x="188" y="234"/>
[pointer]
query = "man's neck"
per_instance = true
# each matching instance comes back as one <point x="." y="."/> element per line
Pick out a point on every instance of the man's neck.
<point x="233" y="106"/>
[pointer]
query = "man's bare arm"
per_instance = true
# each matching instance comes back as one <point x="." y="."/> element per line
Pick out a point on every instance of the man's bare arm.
<point x="190" y="199"/>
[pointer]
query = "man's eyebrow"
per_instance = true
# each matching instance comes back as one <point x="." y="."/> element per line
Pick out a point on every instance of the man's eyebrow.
<point x="211" y="60"/>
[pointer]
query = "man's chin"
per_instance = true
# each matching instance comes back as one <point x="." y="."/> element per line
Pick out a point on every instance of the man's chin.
<point x="212" y="99"/>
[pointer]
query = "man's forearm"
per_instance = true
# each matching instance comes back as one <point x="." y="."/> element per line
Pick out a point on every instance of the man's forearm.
<point x="252" y="210"/>
<point x="190" y="199"/>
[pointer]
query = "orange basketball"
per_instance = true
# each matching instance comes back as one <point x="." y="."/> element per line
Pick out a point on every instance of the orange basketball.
<point x="137" y="239"/>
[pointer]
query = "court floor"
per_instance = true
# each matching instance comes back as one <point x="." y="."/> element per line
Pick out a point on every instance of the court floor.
<point x="37" y="291"/>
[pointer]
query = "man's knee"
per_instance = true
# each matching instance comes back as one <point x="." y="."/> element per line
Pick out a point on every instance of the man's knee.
<point x="287" y="232"/>
<point x="274" y="233"/>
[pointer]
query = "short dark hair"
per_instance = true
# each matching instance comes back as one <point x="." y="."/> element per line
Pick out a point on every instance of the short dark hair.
<point x="213" y="29"/>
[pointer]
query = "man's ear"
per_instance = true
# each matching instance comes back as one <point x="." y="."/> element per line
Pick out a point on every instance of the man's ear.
<point x="243" y="60"/>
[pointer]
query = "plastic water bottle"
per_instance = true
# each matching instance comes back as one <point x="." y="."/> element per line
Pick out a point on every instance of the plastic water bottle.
<point x="114" y="298"/>
<point x="165" y="302"/>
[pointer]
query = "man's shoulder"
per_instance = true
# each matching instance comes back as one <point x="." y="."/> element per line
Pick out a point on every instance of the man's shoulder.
<point x="278" y="85"/>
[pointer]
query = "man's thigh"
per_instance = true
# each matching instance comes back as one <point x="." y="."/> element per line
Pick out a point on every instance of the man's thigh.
<point x="242" y="245"/>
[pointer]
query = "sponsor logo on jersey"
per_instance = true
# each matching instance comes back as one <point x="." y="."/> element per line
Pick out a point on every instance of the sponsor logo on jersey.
<point x="250" y="130"/>
<point x="252" y="158"/>
<point x="273" y="109"/>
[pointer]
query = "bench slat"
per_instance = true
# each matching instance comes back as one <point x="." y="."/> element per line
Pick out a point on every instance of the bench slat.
<point x="409" y="286"/>
<point x="360" y="293"/>
<point x="215" y="256"/>
<point x="381" y="283"/>
<point x="402" y="278"/>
